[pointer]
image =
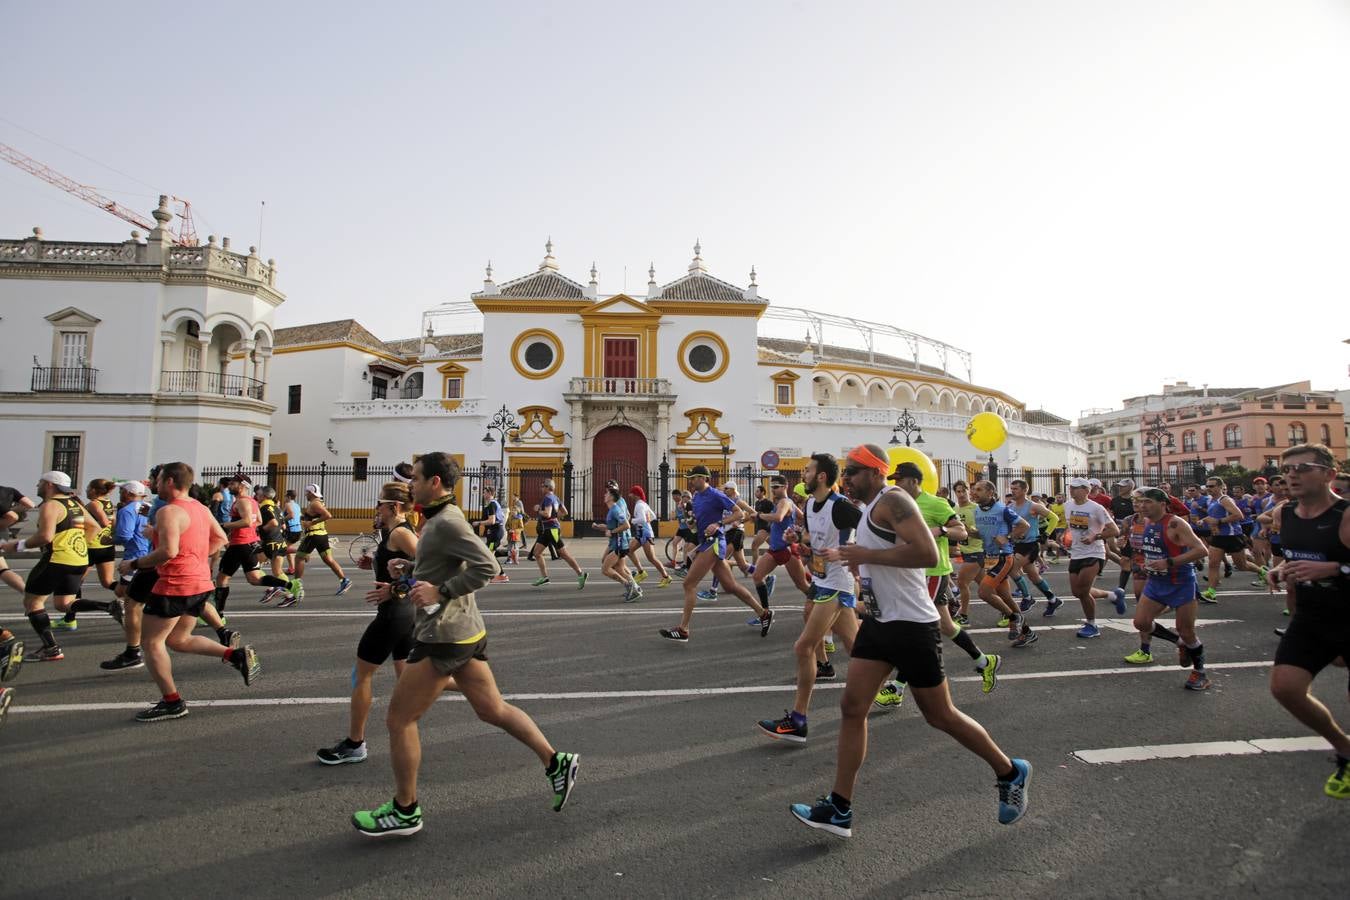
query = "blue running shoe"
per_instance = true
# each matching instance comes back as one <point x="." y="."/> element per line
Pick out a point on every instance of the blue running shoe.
<point x="344" y="586"/>
<point x="1089" y="631"/>
<point x="827" y="817"/>
<point x="708" y="596"/>
<point x="769" y="582"/>
<point x="1012" y="795"/>
<point x="1119" y="601"/>
<point x="1026" y="603"/>
<point x="1051" y="605"/>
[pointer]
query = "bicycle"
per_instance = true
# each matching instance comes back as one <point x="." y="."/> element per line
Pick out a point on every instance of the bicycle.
<point x="361" y="549"/>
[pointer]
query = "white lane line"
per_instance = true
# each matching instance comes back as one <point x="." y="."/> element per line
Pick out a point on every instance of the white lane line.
<point x="1207" y="748"/>
<point x="627" y="695"/>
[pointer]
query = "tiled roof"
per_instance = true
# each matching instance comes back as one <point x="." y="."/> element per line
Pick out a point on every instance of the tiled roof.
<point x="794" y="348"/>
<point x="445" y="344"/>
<point x="346" y="330"/>
<point x="704" y="287"/>
<point x="544" y="284"/>
<point x="1041" y="417"/>
<point x="767" y="355"/>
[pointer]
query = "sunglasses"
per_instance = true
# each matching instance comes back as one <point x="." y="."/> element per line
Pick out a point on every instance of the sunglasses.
<point x="1301" y="468"/>
<point x="850" y="471"/>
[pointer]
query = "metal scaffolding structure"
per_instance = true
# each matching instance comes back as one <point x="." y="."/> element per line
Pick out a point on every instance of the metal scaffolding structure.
<point x="868" y="332"/>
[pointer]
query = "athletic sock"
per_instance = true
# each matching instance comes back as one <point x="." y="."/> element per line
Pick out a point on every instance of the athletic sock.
<point x="981" y="661"/>
<point x="351" y="744"/>
<point x="82" y="605"/>
<point x="1010" y="776"/>
<point x="1144" y="647"/>
<point x="963" y="640"/>
<point x="70" y="613"/>
<point x="1044" y="587"/>
<point x="840" y="803"/>
<point x="1197" y="656"/>
<point x="42" y="624"/>
<point x="1024" y="585"/>
<point x="763" y="593"/>
<point x="1124" y="578"/>
<point x="716" y="585"/>
<point x="797" y="718"/>
<point x="173" y="698"/>
<point x="1167" y="634"/>
<point x="132" y="651"/>
<point x="222" y="594"/>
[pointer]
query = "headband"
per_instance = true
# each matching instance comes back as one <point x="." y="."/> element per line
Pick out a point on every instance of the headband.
<point x="866" y="458"/>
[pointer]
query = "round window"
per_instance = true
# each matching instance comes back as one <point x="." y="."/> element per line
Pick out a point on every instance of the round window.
<point x="702" y="358"/>
<point x="538" y="356"/>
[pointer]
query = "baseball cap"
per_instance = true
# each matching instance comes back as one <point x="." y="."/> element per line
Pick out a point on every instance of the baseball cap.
<point x="906" y="470"/>
<point x="135" y="488"/>
<point x="730" y="486"/>
<point x="800" y="489"/>
<point x="698" y="470"/>
<point x="314" y="489"/>
<point x="1094" y="482"/>
<point x="1079" y="482"/>
<point x="1125" y="482"/>
<point x="58" y="479"/>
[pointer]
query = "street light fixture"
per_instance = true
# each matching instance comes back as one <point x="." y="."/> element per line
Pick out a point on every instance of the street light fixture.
<point x="1154" y="431"/>
<point x="907" y="425"/>
<point x="503" y="423"/>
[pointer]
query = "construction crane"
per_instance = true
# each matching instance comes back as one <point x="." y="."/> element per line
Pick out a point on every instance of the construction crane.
<point x="184" y="236"/>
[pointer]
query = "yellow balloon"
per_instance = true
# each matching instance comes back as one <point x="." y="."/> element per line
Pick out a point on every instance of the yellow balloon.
<point x="987" y="431"/>
<point x="898" y="455"/>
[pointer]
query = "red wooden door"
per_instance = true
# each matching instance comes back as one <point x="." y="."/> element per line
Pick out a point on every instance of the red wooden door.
<point x="619" y="454"/>
<point x="620" y="365"/>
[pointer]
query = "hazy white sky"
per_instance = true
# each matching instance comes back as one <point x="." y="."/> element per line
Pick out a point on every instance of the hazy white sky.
<point x="1090" y="196"/>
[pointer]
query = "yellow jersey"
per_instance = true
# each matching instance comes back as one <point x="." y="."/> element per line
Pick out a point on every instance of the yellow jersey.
<point x="69" y="547"/>
<point x="101" y="537"/>
<point x="314" y="526"/>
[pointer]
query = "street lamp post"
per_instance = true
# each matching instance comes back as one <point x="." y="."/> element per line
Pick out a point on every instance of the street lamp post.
<point x="726" y="452"/>
<point x="1154" y="432"/>
<point x="503" y="423"/>
<point x="906" y="425"/>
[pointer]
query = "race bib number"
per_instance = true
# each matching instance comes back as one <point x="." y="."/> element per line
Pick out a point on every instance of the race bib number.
<point x="869" y="599"/>
<point x="1080" y="521"/>
<point x="819" y="565"/>
<point x="991" y="561"/>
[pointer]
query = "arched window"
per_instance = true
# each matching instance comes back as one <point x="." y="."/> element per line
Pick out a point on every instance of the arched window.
<point x="1188" y="442"/>
<point x="412" y="386"/>
<point x="1209" y="439"/>
<point x="1232" y="436"/>
<point x="1270" y="435"/>
<point x="1298" y="433"/>
<point x="1326" y="435"/>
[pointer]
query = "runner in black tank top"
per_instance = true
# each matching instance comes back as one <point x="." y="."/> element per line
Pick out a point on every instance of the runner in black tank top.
<point x="1315" y="534"/>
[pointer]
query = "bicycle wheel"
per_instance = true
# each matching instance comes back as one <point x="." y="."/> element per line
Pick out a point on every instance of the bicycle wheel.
<point x="670" y="550"/>
<point x="361" y="545"/>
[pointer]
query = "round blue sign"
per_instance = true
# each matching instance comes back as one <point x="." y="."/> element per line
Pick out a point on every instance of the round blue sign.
<point x="769" y="459"/>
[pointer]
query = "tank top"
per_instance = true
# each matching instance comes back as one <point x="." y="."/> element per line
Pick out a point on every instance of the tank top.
<point x="267" y="514"/>
<point x="101" y="538"/>
<point x="890" y="594"/>
<point x="777" y="530"/>
<point x="1138" y="525"/>
<point x="189" y="573"/>
<point x="832" y="576"/>
<point x="247" y="535"/>
<point x="292" y="516"/>
<point x="1318" y="540"/>
<point x="383" y="554"/>
<point x="973" y="542"/>
<point x="1215" y="510"/>
<point x="69" y="546"/>
<point x="316" y="527"/>
<point x="1024" y="510"/>
<point x="1157" y="545"/>
<point x="493" y="508"/>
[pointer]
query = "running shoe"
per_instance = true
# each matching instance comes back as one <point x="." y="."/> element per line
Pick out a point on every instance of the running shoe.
<point x="1026" y="603"/>
<point x="11" y="659"/>
<point x="765" y="623"/>
<point x="581" y="580"/>
<point x="387" y="821"/>
<point x="753" y="621"/>
<point x="1197" y="681"/>
<point x="628" y="591"/>
<point x="230" y="638"/>
<point x="163" y="710"/>
<point x="1018" y="595"/>
<point x="46" y="654"/>
<point x="1014" y="627"/>
<point x="889" y="697"/>
<point x="245" y="661"/>
<point x="1004" y="621"/>
<point x="269" y="594"/>
<point x="1183" y="655"/>
<point x="123" y="660"/>
<point x="1012" y="795"/>
<point x="1140" y="658"/>
<point x="1051" y="605"/>
<point x="562" y="777"/>
<point x="953" y="608"/>
<point x="664" y="582"/>
<point x="7" y="697"/>
<point x="635" y="596"/>
<point x="501" y="578"/>
<point x="66" y="625"/>
<point x="824" y="671"/>
<point x="640" y="576"/>
<point x="342" y="752"/>
<point x="825" y="816"/>
<point x="1338" y="785"/>
<point x="829" y="643"/>
<point x="769" y="582"/>
<point x="1089" y="630"/>
<point x="961" y="619"/>
<point x="1227" y="569"/>
<point x="344" y="586"/>
<point x="1209" y="595"/>
<point x="989" y="672"/>
<point x="707" y="595"/>
<point x="1025" y="638"/>
<point x="288" y="601"/>
<point x="539" y="582"/>
<point x="784" y="729"/>
<point x="1286" y="611"/>
<point x="677" y="634"/>
<point x="115" y="610"/>
<point x="1118" y="599"/>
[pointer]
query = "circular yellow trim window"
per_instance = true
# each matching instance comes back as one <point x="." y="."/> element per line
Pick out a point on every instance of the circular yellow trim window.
<point x="537" y="353"/>
<point x="703" y="356"/>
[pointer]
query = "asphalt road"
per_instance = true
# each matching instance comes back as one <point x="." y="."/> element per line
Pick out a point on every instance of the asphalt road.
<point x="678" y="794"/>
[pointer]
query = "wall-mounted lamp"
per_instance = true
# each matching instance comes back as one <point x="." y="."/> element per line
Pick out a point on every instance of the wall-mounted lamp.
<point x="329" y="445"/>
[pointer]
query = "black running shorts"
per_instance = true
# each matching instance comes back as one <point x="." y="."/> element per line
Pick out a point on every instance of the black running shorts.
<point x="1228" y="543"/>
<point x="100" y="555"/>
<point x="1312" y="644"/>
<point x="1078" y="565"/>
<point x="913" y="648"/>
<point x="142" y="585"/>
<point x="52" y="579"/>
<point x="735" y="539"/>
<point x="1030" y="549"/>
<point x="448" y="659"/>
<point x="162" y="607"/>
<point x="314" y="543"/>
<point x="237" y="556"/>
<point x="390" y="633"/>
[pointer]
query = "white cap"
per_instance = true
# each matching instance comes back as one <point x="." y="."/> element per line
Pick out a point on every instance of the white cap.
<point x="1094" y="482"/>
<point x="135" y="488"/>
<point x="313" y="489"/>
<point x="730" y="486"/>
<point x="58" y="479"/>
<point x="1079" y="482"/>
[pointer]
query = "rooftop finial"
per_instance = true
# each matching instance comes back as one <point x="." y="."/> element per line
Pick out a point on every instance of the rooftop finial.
<point x="489" y="270"/>
<point x="752" y="276"/>
<point x="549" y="262"/>
<point x="697" y="265"/>
<point x="594" y="273"/>
<point x="651" y="273"/>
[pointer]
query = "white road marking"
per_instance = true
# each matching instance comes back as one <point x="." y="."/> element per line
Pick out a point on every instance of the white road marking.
<point x="1207" y="748"/>
<point x="628" y="695"/>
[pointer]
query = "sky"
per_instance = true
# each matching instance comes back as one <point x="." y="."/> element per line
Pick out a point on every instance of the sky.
<point x="1093" y="198"/>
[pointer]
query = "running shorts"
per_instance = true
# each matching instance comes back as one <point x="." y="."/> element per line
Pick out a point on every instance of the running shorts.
<point x="550" y="536"/>
<point x="273" y="549"/>
<point x="716" y="544"/>
<point x="782" y="556"/>
<point x="1030" y="549"/>
<point x="687" y="536"/>
<point x="390" y="633"/>
<point x="100" y="555"/>
<point x="997" y="568"/>
<point x="292" y="538"/>
<point x="311" y="543"/>
<point x="975" y="558"/>
<point x="1173" y="596"/>
<point x="843" y="598"/>
<point x="1228" y="543"/>
<point x="914" y="649"/>
<point x="142" y="585"/>
<point x="645" y="535"/>
<point x="939" y="589"/>
<point x="52" y="578"/>
<point x="1248" y="528"/>
<point x="1277" y="549"/>
<point x="618" y="544"/>
<point x="162" y="607"/>
<point x="735" y="539"/>
<point x="239" y="556"/>
<point x="1078" y="565"/>
<point x="1312" y="644"/>
<point x="447" y="659"/>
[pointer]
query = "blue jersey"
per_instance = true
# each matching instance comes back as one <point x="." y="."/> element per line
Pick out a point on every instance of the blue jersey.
<point x="549" y="520"/>
<point x="226" y="507"/>
<point x="617" y="515"/>
<point x="1025" y="512"/>
<point x="778" y="529"/>
<point x="1199" y="509"/>
<point x="1216" y="510"/>
<point x="292" y="516"/>
<point x="994" y="522"/>
<point x="1156" y="545"/>
<point x="129" y="531"/>
<point x="710" y="505"/>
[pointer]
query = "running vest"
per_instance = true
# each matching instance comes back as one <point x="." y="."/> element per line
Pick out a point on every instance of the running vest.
<point x="102" y="538"/>
<point x="1318" y="540"/>
<point x="888" y="593"/>
<point x="271" y="522"/>
<point x="1024" y="510"/>
<point x="1157" y="545"/>
<point x="189" y="573"/>
<point x="292" y="516"/>
<point x="383" y="554"/>
<point x="973" y="542"/>
<point x="249" y="533"/>
<point x="993" y="523"/>
<point x="1138" y="526"/>
<point x="832" y="576"/>
<point x="492" y="509"/>
<point x="1215" y="510"/>
<point x="69" y="546"/>
<point x="778" y="530"/>
<point x="319" y="526"/>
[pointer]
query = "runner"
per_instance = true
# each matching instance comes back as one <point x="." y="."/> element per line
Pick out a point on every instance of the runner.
<point x="1315" y="572"/>
<point x="548" y="536"/>
<point x="242" y="547"/>
<point x="1270" y="523"/>
<point x="130" y="531"/>
<point x="15" y="506"/>
<point x="273" y="535"/>
<point x="1170" y="550"/>
<point x="616" y="527"/>
<point x="293" y="530"/>
<point x="515" y="531"/>
<point x="713" y="511"/>
<point x="492" y="527"/>
<point x="1057" y="536"/>
<point x="186" y="538"/>
<point x="831" y="521"/>
<point x="784" y="548"/>
<point x="946" y="526"/>
<point x="390" y="633"/>
<point x="736" y="533"/>
<point x="898" y="631"/>
<point x="763" y="509"/>
<point x="971" y="550"/>
<point x="315" y="518"/>
<point x="1027" y="549"/>
<point x="1122" y="507"/>
<point x="1089" y="522"/>
<point x="1222" y="516"/>
<point x="644" y="537"/>
<point x="1000" y="529"/>
<point x="1261" y="502"/>
<point x="449" y="652"/>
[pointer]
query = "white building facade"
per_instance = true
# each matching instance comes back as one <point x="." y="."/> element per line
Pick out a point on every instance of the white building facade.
<point x="117" y="356"/>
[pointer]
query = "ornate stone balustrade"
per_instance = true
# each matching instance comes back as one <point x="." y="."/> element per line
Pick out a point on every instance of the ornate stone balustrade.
<point x="392" y="408"/>
<point x="207" y="258"/>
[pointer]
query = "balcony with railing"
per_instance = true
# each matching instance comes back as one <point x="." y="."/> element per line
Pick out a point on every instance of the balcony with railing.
<point x="604" y="387"/>
<point x="77" y="380"/>
<point x="188" y="382"/>
<point x="390" y="408"/>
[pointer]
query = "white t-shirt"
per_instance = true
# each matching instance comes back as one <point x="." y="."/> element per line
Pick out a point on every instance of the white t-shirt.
<point x="642" y="514"/>
<point x="1083" y="519"/>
